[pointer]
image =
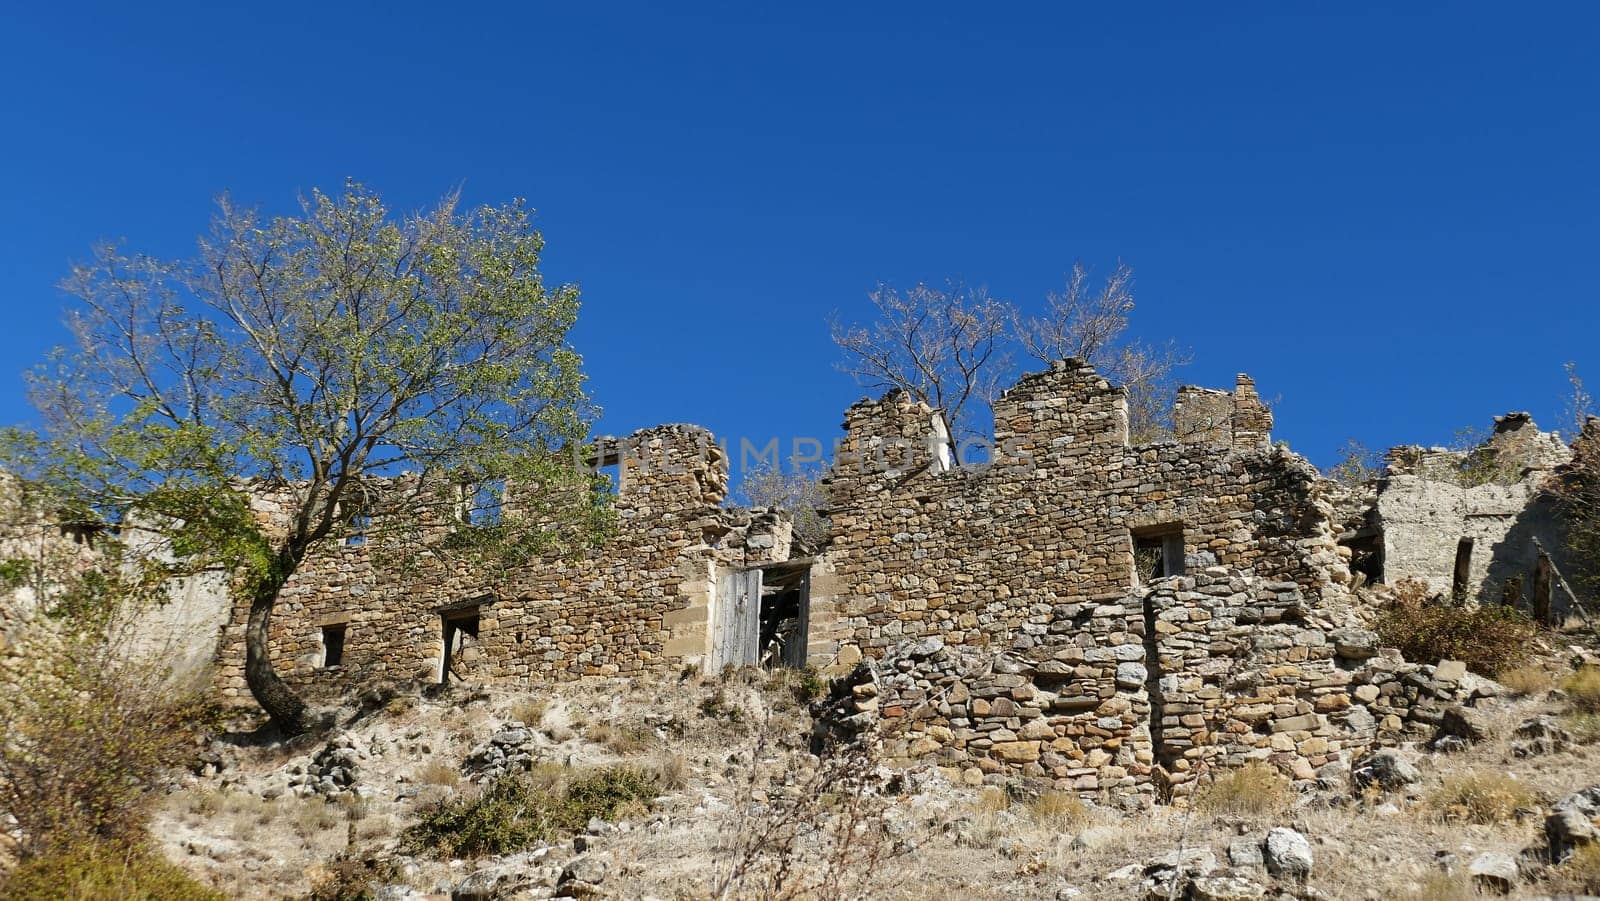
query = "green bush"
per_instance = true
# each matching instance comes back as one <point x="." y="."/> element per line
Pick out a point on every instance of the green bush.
<point x="516" y="812"/>
<point x="1487" y="639"/>
<point x="102" y="872"/>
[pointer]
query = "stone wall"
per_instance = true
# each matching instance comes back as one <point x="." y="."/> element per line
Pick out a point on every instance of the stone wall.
<point x="1137" y="698"/>
<point x="973" y="555"/>
<point x="1431" y="500"/>
<point x="641" y="603"/>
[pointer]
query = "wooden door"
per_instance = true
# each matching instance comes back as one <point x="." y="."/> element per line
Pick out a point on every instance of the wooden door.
<point x="738" y="626"/>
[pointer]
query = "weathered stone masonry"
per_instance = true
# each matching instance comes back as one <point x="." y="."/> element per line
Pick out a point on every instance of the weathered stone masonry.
<point x="974" y="555"/>
<point x="1108" y="618"/>
<point x="640" y="603"/>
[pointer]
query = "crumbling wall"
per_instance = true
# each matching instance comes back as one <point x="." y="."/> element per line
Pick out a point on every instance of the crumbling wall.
<point x="973" y="555"/>
<point x="641" y="602"/>
<point x="1139" y="698"/>
<point x="1430" y="501"/>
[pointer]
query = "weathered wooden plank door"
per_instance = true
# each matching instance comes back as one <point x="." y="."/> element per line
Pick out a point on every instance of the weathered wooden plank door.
<point x="738" y="619"/>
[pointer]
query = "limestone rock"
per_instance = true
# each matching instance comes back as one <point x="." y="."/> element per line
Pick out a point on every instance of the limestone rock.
<point x="1466" y="723"/>
<point x="1287" y="854"/>
<point x="1494" y="871"/>
<point x="1384" y="768"/>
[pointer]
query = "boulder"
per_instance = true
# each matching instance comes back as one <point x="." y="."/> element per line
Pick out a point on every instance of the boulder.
<point x="1466" y="723"/>
<point x="1354" y="644"/>
<point x="1287" y="854"/>
<point x="1494" y="871"/>
<point x="1540" y="735"/>
<point x="1568" y="830"/>
<point x="1225" y="887"/>
<point x="1245" y="852"/>
<point x="582" y="876"/>
<point x="1384" y="768"/>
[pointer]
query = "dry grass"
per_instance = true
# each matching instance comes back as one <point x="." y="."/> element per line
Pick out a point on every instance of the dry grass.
<point x="1526" y="680"/>
<point x="1254" y="789"/>
<point x="1579" y="874"/>
<point x="673" y="771"/>
<point x="203" y="803"/>
<point x="1442" y="887"/>
<point x="437" y="772"/>
<point x="314" y="817"/>
<point x="1058" y="809"/>
<point x="1583" y="690"/>
<point x="993" y="799"/>
<point x="1585" y="727"/>
<point x="1481" y="796"/>
<point x="621" y="740"/>
<point x="528" y="711"/>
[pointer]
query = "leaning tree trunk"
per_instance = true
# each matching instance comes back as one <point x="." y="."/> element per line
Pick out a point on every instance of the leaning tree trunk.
<point x="288" y="712"/>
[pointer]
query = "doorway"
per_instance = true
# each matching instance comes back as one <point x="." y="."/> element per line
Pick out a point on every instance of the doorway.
<point x="763" y="616"/>
<point x="460" y="629"/>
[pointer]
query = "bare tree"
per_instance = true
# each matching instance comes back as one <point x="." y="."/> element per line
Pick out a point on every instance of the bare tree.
<point x="1091" y="324"/>
<point x="946" y="348"/>
<point x="796" y="491"/>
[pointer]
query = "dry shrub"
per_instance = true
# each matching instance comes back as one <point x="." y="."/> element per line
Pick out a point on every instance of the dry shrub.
<point x="1489" y="639"/>
<point x="1253" y="789"/>
<point x="1442" y="887"/>
<point x="1481" y="796"/>
<point x="622" y="740"/>
<point x="529" y="711"/>
<point x="350" y="877"/>
<point x="1585" y="727"/>
<point x="100" y="871"/>
<point x="672" y="772"/>
<point x="437" y="772"/>
<point x="84" y="740"/>
<point x="1583" y="690"/>
<point x="313" y="817"/>
<point x="1058" y="809"/>
<point x="516" y="812"/>
<point x="993" y="799"/>
<point x="806" y="827"/>
<point x="1578" y="874"/>
<point x="1526" y="680"/>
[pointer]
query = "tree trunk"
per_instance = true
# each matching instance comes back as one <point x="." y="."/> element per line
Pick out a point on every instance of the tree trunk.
<point x="274" y="696"/>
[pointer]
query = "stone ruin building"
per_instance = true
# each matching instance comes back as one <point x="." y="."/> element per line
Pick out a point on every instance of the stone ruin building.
<point x="1112" y="618"/>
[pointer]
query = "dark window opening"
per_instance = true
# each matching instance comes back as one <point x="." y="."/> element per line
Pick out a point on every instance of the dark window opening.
<point x="460" y="644"/>
<point x="1366" y="557"/>
<point x="1463" y="571"/>
<point x="1157" y="553"/>
<point x="333" y="645"/>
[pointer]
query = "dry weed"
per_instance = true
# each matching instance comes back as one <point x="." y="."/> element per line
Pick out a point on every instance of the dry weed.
<point x="1481" y="796"/>
<point x="1526" y="680"/>
<point x="529" y="711"/>
<point x="1578" y="874"/>
<point x="621" y="740"/>
<point x="1583" y="690"/>
<point x="1254" y="789"/>
<point x="673" y="770"/>
<point x="1058" y="809"/>
<point x="437" y="772"/>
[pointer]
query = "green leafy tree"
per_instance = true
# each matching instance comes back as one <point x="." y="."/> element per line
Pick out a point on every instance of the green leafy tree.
<point x="307" y="357"/>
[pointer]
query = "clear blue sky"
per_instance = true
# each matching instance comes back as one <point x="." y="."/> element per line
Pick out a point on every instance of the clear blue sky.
<point x="1389" y="216"/>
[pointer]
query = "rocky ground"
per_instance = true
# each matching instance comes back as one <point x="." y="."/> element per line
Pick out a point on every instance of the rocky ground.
<point x="744" y="810"/>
